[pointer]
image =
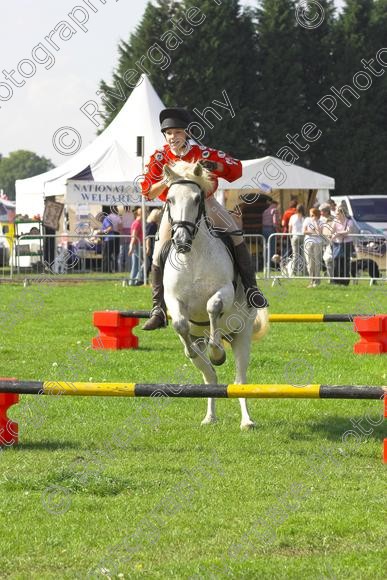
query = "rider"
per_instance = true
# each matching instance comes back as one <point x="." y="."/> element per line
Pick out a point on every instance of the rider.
<point x="174" y="124"/>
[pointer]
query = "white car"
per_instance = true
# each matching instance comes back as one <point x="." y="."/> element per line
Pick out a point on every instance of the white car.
<point x="369" y="212"/>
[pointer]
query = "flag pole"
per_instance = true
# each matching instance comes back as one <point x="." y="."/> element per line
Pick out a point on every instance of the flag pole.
<point x="140" y="153"/>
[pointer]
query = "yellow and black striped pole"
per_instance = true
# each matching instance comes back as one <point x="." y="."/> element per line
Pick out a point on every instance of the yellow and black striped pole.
<point x="231" y="391"/>
<point x="274" y="317"/>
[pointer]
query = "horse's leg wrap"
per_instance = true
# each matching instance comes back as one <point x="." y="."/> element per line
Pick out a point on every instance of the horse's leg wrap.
<point x="254" y="297"/>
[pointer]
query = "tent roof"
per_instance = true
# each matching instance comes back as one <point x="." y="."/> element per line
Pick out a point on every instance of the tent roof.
<point x="258" y="173"/>
<point x="111" y="156"/>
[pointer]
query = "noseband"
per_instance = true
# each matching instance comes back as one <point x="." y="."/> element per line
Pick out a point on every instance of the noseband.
<point x="191" y="227"/>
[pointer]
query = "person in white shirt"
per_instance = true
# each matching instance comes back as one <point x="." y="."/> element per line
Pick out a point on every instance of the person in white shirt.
<point x="295" y="226"/>
<point x="327" y="231"/>
<point x="313" y="245"/>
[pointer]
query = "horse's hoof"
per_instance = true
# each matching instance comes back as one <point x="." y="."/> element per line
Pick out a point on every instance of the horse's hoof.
<point x="248" y="426"/>
<point x="217" y="362"/>
<point x="208" y="421"/>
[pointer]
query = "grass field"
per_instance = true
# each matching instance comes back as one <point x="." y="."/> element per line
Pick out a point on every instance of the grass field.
<point x="137" y="488"/>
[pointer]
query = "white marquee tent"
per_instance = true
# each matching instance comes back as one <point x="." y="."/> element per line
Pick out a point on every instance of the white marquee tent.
<point x="111" y="157"/>
<point x="281" y="181"/>
<point x="273" y="172"/>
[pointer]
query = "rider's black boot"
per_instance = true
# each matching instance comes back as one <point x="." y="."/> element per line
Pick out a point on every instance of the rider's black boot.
<point x="158" y="318"/>
<point x="254" y="297"/>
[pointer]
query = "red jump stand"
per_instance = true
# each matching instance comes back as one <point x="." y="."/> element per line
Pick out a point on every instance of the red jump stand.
<point x="373" y="334"/>
<point x="9" y="430"/>
<point x="385" y="441"/>
<point x="115" y="330"/>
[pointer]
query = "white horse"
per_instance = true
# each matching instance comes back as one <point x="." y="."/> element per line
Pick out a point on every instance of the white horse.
<point x="203" y="303"/>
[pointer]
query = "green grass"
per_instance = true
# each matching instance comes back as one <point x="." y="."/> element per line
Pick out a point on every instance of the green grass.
<point x="139" y="488"/>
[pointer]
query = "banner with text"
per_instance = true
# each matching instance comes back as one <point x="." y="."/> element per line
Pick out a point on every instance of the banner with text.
<point x="104" y="193"/>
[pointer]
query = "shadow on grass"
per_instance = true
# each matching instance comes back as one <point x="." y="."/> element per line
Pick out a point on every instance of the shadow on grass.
<point x="334" y="428"/>
<point x="47" y="445"/>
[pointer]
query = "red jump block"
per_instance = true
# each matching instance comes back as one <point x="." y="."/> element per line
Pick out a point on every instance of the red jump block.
<point x="373" y="334"/>
<point x="9" y="430"/>
<point x="385" y="441"/>
<point x="115" y="331"/>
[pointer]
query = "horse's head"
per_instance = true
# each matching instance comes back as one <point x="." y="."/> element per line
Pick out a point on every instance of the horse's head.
<point x="188" y="185"/>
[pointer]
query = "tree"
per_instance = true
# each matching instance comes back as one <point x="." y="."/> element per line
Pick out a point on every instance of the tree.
<point x="352" y="139"/>
<point x="20" y="165"/>
<point x="377" y="168"/>
<point x="217" y="64"/>
<point x="201" y="59"/>
<point x="143" y="52"/>
<point x="318" y="59"/>
<point x="280" y="99"/>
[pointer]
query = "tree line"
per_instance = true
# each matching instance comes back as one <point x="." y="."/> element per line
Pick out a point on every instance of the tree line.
<point x="303" y="83"/>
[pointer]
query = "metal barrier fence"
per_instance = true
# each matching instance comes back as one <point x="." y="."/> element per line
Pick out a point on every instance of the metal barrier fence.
<point x="5" y="258"/>
<point x="360" y="257"/>
<point x="257" y="247"/>
<point x="77" y="255"/>
<point x="282" y="256"/>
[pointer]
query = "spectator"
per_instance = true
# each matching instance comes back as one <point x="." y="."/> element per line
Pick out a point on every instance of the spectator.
<point x="111" y="226"/>
<point x="286" y="247"/>
<point x="270" y="225"/>
<point x="342" y="247"/>
<point x="313" y="245"/>
<point x="135" y="249"/>
<point x="295" y="227"/>
<point x="333" y="205"/>
<point x="327" y="220"/>
<point x="127" y="218"/>
<point x="152" y="224"/>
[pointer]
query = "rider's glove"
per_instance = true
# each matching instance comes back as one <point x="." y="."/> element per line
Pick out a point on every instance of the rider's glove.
<point x="209" y="165"/>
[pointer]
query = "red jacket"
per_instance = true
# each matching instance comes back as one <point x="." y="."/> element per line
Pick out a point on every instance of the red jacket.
<point x="286" y="217"/>
<point x="154" y="170"/>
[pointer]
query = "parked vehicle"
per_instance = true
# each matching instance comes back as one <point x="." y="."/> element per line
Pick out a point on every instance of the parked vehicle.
<point x="369" y="212"/>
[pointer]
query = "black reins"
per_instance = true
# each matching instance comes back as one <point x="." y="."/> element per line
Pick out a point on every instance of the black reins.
<point x="191" y="227"/>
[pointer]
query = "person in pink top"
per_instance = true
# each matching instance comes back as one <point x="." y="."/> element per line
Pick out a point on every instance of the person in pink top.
<point x="111" y="228"/>
<point x="342" y="247"/>
<point x="127" y="218"/>
<point x="271" y="225"/>
<point x="135" y="249"/>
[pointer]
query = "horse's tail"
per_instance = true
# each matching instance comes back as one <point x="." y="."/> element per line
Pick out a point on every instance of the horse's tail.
<point x="261" y="324"/>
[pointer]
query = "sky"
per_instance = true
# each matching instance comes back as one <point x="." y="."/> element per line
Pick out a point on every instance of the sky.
<point x="61" y="67"/>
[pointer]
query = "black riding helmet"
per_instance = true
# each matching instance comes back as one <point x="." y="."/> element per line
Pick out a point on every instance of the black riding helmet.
<point x="174" y="118"/>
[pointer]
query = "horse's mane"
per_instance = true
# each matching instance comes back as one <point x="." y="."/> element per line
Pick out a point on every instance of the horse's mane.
<point x="185" y="170"/>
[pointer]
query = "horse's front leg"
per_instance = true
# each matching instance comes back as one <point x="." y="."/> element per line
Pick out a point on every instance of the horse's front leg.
<point x="218" y="303"/>
<point x="241" y="345"/>
<point x="195" y="350"/>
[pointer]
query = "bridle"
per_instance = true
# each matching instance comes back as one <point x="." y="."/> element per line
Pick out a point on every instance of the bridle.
<point x="191" y="227"/>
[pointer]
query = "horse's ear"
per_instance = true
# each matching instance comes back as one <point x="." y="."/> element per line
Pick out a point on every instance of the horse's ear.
<point x="169" y="174"/>
<point x="198" y="170"/>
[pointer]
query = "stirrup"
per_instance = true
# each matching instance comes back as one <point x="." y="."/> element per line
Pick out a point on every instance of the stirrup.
<point x="157" y="320"/>
<point x="255" y="298"/>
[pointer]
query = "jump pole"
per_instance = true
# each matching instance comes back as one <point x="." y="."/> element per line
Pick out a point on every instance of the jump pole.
<point x="273" y="317"/>
<point x="230" y="391"/>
